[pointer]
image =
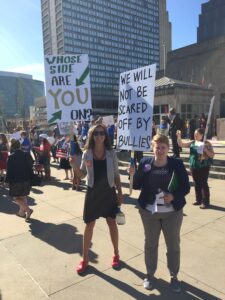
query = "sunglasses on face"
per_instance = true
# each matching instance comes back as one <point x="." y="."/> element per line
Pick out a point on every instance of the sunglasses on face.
<point x="96" y="133"/>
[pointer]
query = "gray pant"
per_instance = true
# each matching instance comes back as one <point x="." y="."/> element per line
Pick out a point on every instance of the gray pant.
<point x="170" y="224"/>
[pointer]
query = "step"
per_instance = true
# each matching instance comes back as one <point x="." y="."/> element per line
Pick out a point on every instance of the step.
<point x="216" y="171"/>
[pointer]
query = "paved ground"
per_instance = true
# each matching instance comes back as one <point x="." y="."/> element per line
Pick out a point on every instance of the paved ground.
<point x="38" y="259"/>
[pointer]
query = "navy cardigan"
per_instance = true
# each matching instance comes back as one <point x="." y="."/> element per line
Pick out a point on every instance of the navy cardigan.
<point x="140" y="181"/>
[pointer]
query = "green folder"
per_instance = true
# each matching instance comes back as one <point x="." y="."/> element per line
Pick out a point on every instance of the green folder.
<point x="174" y="183"/>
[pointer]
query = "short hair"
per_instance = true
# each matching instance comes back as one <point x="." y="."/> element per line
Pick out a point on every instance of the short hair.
<point x="15" y="144"/>
<point x="160" y="138"/>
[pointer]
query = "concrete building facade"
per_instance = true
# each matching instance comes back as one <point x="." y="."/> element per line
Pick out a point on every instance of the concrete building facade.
<point x="211" y="21"/>
<point x="118" y="35"/>
<point x="203" y="63"/>
<point x="17" y="94"/>
<point x="189" y="99"/>
<point x="165" y="34"/>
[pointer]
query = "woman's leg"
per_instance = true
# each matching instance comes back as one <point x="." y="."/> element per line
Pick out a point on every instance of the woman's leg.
<point x="171" y="225"/>
<point x="113" y="234"/>
<point x="88" y="233"/>
<point x="21" y="211"/>
<point x="197" y="182"/>
<point x="205" y="187"/>
<point x="66" y="171"/>
<point x="152" y="229"/>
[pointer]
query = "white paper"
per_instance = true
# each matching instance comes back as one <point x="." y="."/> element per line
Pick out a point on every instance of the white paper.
<point x="159" y="198"/>
<point x="200" y="147"/>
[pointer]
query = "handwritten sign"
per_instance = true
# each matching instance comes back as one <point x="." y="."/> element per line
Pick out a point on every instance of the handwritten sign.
<point x="135" y="109"/>
<point x="68" y="90"/>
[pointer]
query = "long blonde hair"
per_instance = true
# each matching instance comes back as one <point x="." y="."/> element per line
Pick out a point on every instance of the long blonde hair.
<point x="91" y="142"/>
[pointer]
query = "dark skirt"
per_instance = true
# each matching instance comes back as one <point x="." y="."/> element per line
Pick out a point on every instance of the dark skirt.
<point x="64" y="164"/>
<point x="19" y="189"/>
<point x="100" y="202"/>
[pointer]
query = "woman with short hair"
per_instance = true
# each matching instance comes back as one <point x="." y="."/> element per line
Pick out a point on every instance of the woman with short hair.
<point x="163" y="181"/>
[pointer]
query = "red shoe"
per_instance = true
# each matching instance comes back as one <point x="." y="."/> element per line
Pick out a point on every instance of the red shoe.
<point x="115" y="261"/>
<point x="82" y="266"/>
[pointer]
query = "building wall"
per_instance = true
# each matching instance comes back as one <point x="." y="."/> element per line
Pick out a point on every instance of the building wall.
<point x="17" y="93"/>
<point x="211" y="20"/>
<point x="201" y="63"/>
<point x="187" y="101"/>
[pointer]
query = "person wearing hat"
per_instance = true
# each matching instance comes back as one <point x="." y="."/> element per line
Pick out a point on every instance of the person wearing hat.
<point x="175" y="123"/>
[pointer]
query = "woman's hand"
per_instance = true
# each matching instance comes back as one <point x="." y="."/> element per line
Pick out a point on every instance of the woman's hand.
<point x="73" y="159"/>
<point x="119" y="199"/>
<point x="168" y="197"/>
<point x="131" y="170"/>
<point x="178" y="133"/>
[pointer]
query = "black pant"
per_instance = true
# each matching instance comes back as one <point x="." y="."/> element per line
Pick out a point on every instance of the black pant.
<point x="176" y="150"/>
<point x="200" y="178"/>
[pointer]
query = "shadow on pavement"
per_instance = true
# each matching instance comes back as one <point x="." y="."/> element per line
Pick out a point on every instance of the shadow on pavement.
<point x="7" y="206"/>
<point x="215" y="207"/>
<point x="161" y="291"/>
<point x="63" y="237"/>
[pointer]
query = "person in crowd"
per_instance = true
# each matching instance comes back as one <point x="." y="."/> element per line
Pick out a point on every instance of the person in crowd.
<point x="163" y="125"/>
<point x="192" y="127"/>
<point x="75" y="160"/>
<point x="154" y="128"/>
<point x="84" y="132"/>
<point x="44" y="157"/>
<point x="175" y="123"/>
<point x="99" y="163"/>
<point x="110" y="131"/>
<point x="201" y="155"/>
<point x="4" y="149"/>
<point x="202" y="121"/>
<point x="25" y="142"/>
<point x="19" y="171"/>
<point x="64" y="161"/>
<point x="164" y="183"/>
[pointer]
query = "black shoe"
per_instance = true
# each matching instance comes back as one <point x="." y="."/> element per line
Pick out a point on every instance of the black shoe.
<point x="175" y="285"/>
<point x="197" y="203"/>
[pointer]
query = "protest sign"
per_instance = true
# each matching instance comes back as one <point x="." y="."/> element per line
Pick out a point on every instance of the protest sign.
<point x="135" y="109"/>
<point x="68" y="90"/>
<point x="108" y="121"/>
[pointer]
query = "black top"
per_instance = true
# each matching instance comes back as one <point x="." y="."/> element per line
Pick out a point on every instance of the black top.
<point x="100" y="173"/>
<point x="158" y="180"/>
<point x="19" y="167"/>
<point x="140" y="181"/>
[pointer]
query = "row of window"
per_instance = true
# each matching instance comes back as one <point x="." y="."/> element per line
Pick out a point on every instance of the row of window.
<point x="76" y="29"/>
<point x="106" y="6"/>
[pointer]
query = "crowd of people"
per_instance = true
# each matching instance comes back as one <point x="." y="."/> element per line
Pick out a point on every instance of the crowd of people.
<point x="87" y="151"/>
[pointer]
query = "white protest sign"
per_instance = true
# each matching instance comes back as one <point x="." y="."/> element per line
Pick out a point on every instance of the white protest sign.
<point x="135" y="109"/>
<point x="68" y="90"/>
<point x="108" y="120"/>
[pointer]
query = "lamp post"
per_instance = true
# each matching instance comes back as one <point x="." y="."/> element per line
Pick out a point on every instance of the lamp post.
<point x="164" y="58"/>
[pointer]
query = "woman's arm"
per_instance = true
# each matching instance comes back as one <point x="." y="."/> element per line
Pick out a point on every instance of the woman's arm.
<point x="179" y="141"/>
<point x="208" y="149"/>
<point x="80" y="172"/>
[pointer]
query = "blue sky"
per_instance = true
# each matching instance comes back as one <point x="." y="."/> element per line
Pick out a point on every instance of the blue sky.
<point x="21" y="47"/>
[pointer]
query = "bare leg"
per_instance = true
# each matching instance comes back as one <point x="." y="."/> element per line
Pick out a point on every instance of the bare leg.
<point x="88" y="233"/>
<point x="113" y="234"/>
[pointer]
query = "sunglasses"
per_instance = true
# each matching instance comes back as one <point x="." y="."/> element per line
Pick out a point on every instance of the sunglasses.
<point x="96" y="133"/>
